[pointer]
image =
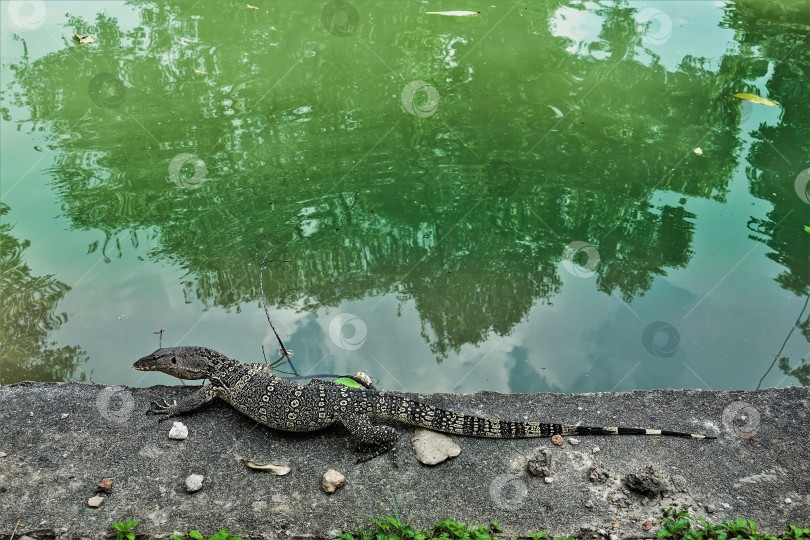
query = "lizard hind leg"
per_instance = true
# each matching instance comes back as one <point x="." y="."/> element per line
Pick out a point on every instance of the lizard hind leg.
<point x="373" y="440"/>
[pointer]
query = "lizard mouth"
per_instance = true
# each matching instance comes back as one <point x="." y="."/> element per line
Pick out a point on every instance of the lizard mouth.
<point x="146" y="364"/>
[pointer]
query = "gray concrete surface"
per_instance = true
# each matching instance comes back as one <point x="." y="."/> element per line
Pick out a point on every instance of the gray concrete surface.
<point x="60" y="440"/>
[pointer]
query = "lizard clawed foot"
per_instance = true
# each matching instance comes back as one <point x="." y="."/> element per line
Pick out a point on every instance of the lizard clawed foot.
<point x="161" y="407"/>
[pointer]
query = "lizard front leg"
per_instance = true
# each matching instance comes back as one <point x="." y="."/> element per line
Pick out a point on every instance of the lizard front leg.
<point x="192" y="402"/>
<point x="374" y="440"/>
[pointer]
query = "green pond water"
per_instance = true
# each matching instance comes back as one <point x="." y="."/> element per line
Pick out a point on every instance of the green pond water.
<point x="543" y="196"/>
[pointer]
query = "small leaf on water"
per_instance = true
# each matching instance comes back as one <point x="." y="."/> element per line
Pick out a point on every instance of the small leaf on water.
<point x="348" y="381"/>
<point x="807" y="229"/>
<point x="753" y="98"/>
<point x="82" y="39"/>
<point x="251" y="7"/>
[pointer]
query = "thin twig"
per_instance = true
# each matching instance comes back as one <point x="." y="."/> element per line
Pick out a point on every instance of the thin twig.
<point x="284" y="350"/>
<point x="160" y="338"/>
<point x="356" y="198"/>
<point x="15" y="529"/>
<point x="798" y="322"/>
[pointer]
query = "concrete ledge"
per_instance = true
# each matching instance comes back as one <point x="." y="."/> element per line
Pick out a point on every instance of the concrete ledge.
<point x="60" y="440"/>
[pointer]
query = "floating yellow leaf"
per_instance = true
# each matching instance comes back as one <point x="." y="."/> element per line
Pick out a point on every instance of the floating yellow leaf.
<point x="454" y="13"/>
<point x="753" y="98"/>
<point x="698" y="151"/>
<point x="251" y="7"/>
<point x="83" y="39"/>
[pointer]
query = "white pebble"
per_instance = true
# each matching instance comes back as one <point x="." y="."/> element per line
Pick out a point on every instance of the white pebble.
<point x="788" y="500"/>
<point x="179" y="431"/>
<point x="548" y="480"/>
<point x="595" y="450"/>
<point x="194" y="482"/>
<point x="573" y="441"/>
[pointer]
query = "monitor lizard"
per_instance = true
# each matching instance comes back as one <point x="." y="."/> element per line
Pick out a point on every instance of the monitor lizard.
<point x="256" y="391"/>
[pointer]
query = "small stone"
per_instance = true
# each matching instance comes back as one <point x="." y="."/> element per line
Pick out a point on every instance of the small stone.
<point x="3" y="454"/>
<point x="540" y="463"/>
<point x="432" y="448"/>
<point x="179" y="431"/>
<point x="194" y="482"/>
<point x="726" y="506"/>
<point x="598" y="475"/>
<point x="648" y="481"/>
<point x="63" y="529"/>
<point x="363" y="379"/>
<point x="573" y="441"/>
<point x="31" y="413"/>
<point x="95" y="502"/>
<point x="557" y="439"/>
<point x="104" y="486"/>
<point x="788" y="500"/>
<point x="63" y="415"/>
<point x="589" y="504"/>
<point x="595" y="450"/>
<point x="548" y="479"/>
<point x="332" y="480"/>
<point x="711" y="509"/>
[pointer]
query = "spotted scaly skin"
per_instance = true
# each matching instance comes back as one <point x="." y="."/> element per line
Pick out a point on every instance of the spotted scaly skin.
<point x="256" y="391"/>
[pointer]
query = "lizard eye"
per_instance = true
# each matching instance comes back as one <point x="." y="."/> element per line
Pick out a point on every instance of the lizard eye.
<point x="174" y="359"/>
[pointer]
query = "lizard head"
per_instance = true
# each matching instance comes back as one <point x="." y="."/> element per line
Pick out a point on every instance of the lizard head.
<point x="180" y="362"/>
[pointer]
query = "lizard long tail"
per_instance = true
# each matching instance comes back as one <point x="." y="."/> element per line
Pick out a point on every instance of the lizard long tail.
<point x="427" y="416"/>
